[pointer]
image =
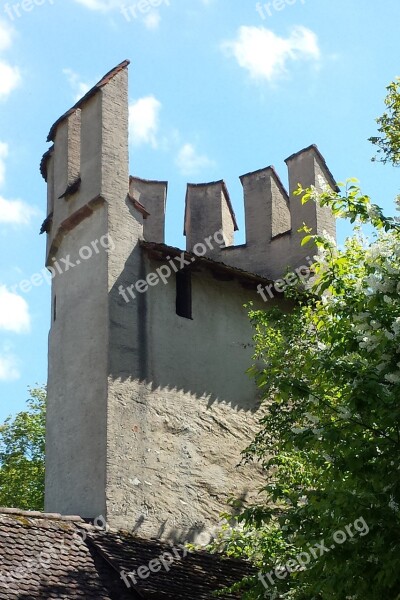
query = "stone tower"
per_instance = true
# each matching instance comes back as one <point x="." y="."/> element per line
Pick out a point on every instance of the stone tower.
<point x="149" y="405"/>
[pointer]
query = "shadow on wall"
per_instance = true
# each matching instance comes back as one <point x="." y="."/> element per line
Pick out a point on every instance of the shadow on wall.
<point x="198" y="534"/>
<point x="205" y="356"/>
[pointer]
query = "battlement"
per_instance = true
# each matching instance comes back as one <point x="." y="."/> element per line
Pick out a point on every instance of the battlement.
<point x="273" y="215"/>
<point x="89" y="161"/>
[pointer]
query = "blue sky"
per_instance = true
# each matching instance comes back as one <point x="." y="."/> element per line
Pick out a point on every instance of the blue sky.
<point x="218" y="88"/>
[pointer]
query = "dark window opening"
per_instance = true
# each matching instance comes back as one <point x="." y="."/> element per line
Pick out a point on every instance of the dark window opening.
<point x="184" y="294"/>
<point x="55" y="308"/>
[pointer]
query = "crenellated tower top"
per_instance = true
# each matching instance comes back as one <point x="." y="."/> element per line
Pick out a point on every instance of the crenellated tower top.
<point x="82" y="162"/>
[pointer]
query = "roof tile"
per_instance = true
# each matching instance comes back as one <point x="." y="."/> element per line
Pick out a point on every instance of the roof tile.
<point x="43" y="556"/>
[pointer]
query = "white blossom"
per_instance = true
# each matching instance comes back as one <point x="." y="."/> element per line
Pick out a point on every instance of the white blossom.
<point x="393" y="505"/>
<point x="298" y="430"/>
<point x="393" y="377"/>
<point x="312" y="418"/>
<point x="396" y="326"/>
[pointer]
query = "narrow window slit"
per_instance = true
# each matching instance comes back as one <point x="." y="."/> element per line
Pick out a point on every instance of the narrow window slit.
<point x="184" y="294"/>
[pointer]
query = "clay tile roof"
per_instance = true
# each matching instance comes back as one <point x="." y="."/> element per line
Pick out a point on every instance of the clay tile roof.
<point x="133" y="178"/>
<point x="85" y="98"/>
<point x="43" y="556"/>
<point x="190" y="575"/>
<point x="139" y="206"/>
<point x="160" y="250"/>
<point x="44" y="161"/>
<point x="50" y="556"/>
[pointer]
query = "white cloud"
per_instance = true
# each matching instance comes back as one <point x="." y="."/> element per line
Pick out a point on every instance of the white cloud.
<point x="152" y="20"/>
<point x="16" y="212"/>
<point x="6" y="35"/>
<point x="12" y="212"/>
<point x="144" y="12"/>
<point x="9" y="79"/>
<point x="79" y="87"/>
<point x="265" y="55"/>
<point x="3" y="155"/>
<point x="9" y="370"/>
<point x="190" y="162"/>
<point x="14" y="312"/>
<point x="9" y="76"/>
<point x="144" y="121"/>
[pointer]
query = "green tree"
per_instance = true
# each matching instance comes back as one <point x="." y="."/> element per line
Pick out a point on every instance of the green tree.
<point x="327" y="526"/>
<point x="22" y="442"/>
<point x="389" y="126"/>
